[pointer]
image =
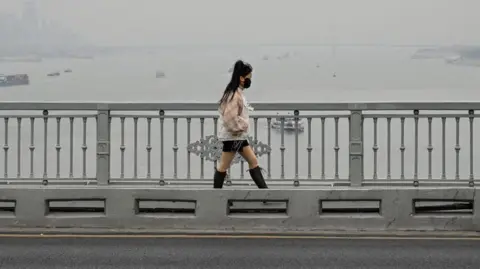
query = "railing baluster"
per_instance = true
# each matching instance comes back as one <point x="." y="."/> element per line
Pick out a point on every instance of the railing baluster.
<point x="32" y="146"/>
<point x="255" y="128"/>
<point x="135" y="147"/>
<point x="269" y="142"/>
<point x="242" y="167"/>
<point x="45" y="143"/>
<point x="444" y="173"/>
<point x="229" y="177"/>
<point x="215" y="130"/>
<point x="19" y="147"/>
<point x="175" y="147"/>
<point x="471" y="117"/>
<point x="389" y="148"/>
<point x="336" y="148"/>
<point x="323" y="147"/>
<point x="84" y="148"/>
<point x="58" y="147"/>
<point x="402" y="148"/>
<point x="5" y="149"/>
<point x="202" y="159"/>
<point x="108" y="113"/>
<point x="309" y="147"/>
<point x="149" y="148"/>
<point x="430" y="147"/>
<point x="375" y="148"/>
<point x="162" y="121"/>
<point x="282" y="147"/>
<point x="189" y="123"/>
<point x="242" y="162"/>
<point x="296" y="113"/>
<point x="457" y="149"/>
<point x="255" y="137"/>
<point x="70" y="174"/>
<point x="122" y="147"/>
<point x="415" y="168"/>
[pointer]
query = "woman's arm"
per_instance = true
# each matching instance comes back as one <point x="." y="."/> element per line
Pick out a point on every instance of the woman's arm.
<point x="232" y="112"/>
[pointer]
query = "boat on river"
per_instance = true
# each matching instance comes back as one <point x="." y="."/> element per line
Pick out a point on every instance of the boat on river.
<point x="14" y="80"/>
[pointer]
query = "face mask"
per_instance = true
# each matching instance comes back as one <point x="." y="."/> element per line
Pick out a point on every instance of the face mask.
<point x="247" y="83"/>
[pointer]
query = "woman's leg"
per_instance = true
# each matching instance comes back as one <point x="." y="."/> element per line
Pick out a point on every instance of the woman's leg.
<point x="255" y="170"/>
<point x="248" y="154"/>
<point x="221" y="169"/>
<point x="225" y="161"/>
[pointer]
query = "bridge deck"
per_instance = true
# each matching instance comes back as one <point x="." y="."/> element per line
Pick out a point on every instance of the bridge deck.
<point x="225" y="252"/>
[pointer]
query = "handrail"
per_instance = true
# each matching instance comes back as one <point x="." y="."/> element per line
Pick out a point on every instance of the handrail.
<point x="265" y="106"/>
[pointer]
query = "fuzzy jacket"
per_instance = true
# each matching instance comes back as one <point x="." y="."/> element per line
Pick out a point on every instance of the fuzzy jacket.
<point x="234" y="118"/>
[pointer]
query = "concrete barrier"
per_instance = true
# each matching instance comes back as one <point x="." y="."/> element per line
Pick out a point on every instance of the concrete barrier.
<point x="347" y="209"/>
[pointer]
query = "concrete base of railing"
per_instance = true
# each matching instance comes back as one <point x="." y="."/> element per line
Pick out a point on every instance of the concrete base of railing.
<point x="348" y="209"/>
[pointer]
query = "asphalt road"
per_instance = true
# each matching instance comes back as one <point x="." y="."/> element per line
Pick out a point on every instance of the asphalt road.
<point x="233" y="253"/>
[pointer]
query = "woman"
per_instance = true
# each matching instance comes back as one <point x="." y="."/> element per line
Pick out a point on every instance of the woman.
<point x="233" y="122"/>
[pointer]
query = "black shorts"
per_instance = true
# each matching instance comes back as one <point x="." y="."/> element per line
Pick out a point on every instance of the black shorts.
<point x="234" y="145"/>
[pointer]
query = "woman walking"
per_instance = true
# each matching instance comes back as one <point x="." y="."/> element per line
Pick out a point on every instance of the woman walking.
<point x="234" y="123"/>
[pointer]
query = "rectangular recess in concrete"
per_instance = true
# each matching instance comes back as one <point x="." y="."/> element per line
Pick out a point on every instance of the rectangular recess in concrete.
<point x="261" y="207"/>
<point x="70" y="207"/>
<point x="442" y="207"/>
<point x="7" y="208"/>
<point x="350" y="207"/>
<point x="166" y="207"/>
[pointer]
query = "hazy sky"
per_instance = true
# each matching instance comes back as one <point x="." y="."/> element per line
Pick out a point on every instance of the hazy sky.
<point x="136" y="22"/>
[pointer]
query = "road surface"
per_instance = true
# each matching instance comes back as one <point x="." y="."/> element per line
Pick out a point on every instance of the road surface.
<point x="232" y="253"/>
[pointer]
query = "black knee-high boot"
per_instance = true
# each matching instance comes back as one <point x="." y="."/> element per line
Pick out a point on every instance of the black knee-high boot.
<point x="218" y="179"/>
<point x="256" y="174"/>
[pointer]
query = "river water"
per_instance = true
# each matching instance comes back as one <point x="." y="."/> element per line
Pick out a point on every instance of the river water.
<point x="200" y="74"/>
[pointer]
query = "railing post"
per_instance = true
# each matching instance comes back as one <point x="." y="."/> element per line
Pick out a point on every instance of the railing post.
<point x="103" y="145"/>
<point x="356" y="148"/>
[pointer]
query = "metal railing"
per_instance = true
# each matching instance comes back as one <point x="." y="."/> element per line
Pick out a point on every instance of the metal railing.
<point x="298" y="144"/>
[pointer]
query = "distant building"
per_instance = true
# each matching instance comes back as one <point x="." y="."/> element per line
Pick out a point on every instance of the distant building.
<point x="30" y="34"/>
<point x="30" y="22"/>
<point x="30" y="17"/>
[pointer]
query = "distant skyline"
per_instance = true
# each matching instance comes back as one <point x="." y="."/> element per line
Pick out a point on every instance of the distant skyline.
<point x="28" y="29"/>
<point x="170" y="22"/>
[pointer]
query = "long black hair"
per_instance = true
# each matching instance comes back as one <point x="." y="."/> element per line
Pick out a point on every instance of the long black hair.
<point x="240" y="69"/>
